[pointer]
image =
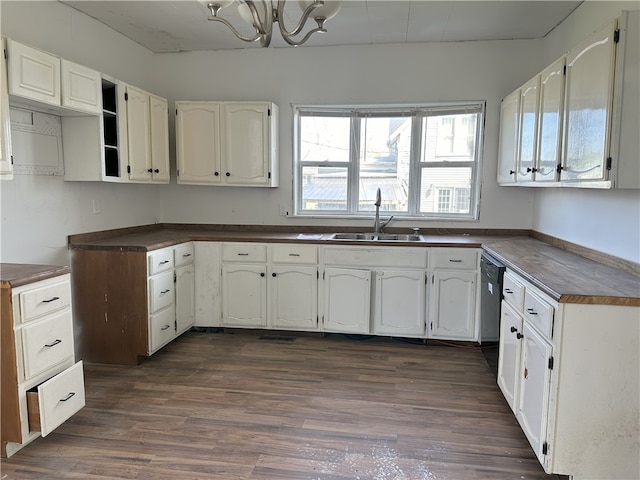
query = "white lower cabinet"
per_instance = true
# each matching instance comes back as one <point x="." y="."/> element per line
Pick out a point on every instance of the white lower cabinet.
<point x="293" y="297"/>
<point x="453" y="294"/>
<point x="347" y="304"/>
<point x="171" y="293"/>
<point x="244" y="295"/>
<point x="565" y="371"/>
<point x="42" y="384"/>
<point x="399" y="307"/>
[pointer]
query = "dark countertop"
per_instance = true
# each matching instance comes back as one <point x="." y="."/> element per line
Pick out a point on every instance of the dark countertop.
<point x="17" y="274"/>
<point x="565" y="276"/>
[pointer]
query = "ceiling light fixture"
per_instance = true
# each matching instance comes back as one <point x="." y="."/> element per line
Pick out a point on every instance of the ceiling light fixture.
<point x="262" y="14"/>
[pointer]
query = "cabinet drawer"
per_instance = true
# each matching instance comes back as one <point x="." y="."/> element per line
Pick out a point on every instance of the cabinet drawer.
<point x="40" y="301"/>
<point x="294" y="254"/>
<point x="161" y="328"/>
<point x="244" y="252"/>
<point x="394" y="257"/>
<point x="538" y="312"/>
<point x="454" y="259"/>
<point x="160" y="261"/>
<point x="54" y="401"/>
<point x="513" y="291"/>
<point x="161" y="291"/>
<point x="183" y="254"/>
<point x="47" y="342"/>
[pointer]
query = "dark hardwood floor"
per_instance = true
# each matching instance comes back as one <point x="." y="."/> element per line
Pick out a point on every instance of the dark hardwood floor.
<point x="236" y="406"/>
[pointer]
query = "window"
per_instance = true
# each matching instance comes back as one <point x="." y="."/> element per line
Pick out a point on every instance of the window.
<point x="424" y="159"/>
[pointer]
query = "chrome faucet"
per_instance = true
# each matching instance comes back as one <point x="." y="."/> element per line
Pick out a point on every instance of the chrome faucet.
<point x="377" y="226"/>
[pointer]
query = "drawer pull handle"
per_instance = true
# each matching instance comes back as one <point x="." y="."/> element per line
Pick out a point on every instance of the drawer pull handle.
<point x="56" y="342"/>
<point x="513" y="329"/>
<point x="508" y="290"/>
<point x="69" y="395"/>
<point x="519" y="336"/>
<point x="165" y="327"/>
<point x="455" y="260"/>
<point x="51" y="300"/>
<point x="185" y="255"/>
<point x="294" y="254"/>
<point x="164" y="291"/>
<point x="243" y="254"/>
<point x="164" y="262"/>
<point x="532" y="311"/>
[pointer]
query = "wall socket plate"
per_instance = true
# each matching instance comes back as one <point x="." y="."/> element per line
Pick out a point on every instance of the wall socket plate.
<point x="285" y="211"/>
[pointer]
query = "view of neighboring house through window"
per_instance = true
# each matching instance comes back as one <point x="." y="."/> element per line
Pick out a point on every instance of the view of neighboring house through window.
<point x="424" y="159"/>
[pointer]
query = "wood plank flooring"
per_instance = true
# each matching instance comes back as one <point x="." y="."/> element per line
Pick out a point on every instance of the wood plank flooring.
<point x="235" y="406"/>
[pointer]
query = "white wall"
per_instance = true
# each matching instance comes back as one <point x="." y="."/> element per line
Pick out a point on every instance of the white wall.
<point x="608" y="221"/>
<point x="413" y="73"/>
<point x="39" y="211"/>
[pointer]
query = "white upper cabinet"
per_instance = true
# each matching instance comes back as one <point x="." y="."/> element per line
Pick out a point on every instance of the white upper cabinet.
<point x="550" y="122"/>
<point x="588" y="102"/>
<point x="148" y="136"/>
<point x="528" y="129"/>
<point x="6" y="159"/>
<point x="33" y="74"/>
<point x="40" y="79"/>
<point x="227" y="143"/>
<point x="577" y="122"/>
<point x="81" y="88"/>
<point x="198" y="142"/>
<point x="509" y="133"/>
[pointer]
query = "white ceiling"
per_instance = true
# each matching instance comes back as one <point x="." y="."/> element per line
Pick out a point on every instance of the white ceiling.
<point x="172" y="26"/>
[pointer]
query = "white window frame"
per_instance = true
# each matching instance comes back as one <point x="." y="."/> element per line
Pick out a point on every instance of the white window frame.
<point x="421" y="111"/>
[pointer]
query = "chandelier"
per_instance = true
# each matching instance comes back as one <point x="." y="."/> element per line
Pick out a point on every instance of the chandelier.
<point x="262" y="14"/>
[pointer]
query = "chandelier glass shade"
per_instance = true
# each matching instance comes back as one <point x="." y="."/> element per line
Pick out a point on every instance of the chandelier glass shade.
<point x="262" y="14"/>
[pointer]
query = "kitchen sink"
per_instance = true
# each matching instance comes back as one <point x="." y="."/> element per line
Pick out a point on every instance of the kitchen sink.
<point x="382" y="237"/>
<point x="353" y="236"/>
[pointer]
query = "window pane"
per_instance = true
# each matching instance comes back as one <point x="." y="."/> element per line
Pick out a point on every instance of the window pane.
<point x="324" y="139"/>
<point x="385" y="146"/>
<point x="445" y="190"/>
<point x="449" y="138"/>
<point x="324" y="188"/>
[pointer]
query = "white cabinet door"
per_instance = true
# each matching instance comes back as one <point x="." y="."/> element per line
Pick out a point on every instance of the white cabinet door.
<point x="550" y="131"/>
<point x="509" y="133"/>
<point x="33" y="74"/>
<point x="528" y="129"/>
<point x="294" y="297"/>
<point x="138" y="133"/>
<point x="6" y="161"/>
<point x="198" y="142"/>
<point x="81" y="88"/>
<point x="159" y="130"/>
<point x="509" y="354"/>
<point x="347" y="294"/>
<point x="185" y="298"/>
<point x="399" y="306"/>
<point x="452" y="309"/>
<point x="246" y="143"/>
<point x="244" y="295"/>
<point x="533" y="398"/>
<point x="588" y="103"/>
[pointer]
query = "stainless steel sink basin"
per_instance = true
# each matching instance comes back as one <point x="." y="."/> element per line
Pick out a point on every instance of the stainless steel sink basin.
<point x="383" y="237"/>
<point x="353" y="236"/>
<point x="399" y="237"/>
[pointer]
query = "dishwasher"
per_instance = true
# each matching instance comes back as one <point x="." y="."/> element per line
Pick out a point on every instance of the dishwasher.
<point x="491" y="273"/>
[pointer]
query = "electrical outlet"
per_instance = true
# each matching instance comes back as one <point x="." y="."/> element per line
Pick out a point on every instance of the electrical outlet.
<point x="284" y="210"/>
<point x="96" y="207"/>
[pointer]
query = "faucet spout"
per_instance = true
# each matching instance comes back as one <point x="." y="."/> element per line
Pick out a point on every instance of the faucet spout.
<point x="377" y="226"/>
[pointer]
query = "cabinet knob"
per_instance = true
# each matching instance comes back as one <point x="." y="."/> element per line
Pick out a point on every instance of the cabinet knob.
<point x="513" y="329"/>
<point x="529" y="170"/>
<point x="228" y="174"/>
<point x="150" y="170"/>
<point x="216" y="173"/>
<point x="519" y="336"/>
<point x="157" y="170"/>
<point x="273" y="274"/>
<point x="262" y="274"/>
<point x="511" y="172"/>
